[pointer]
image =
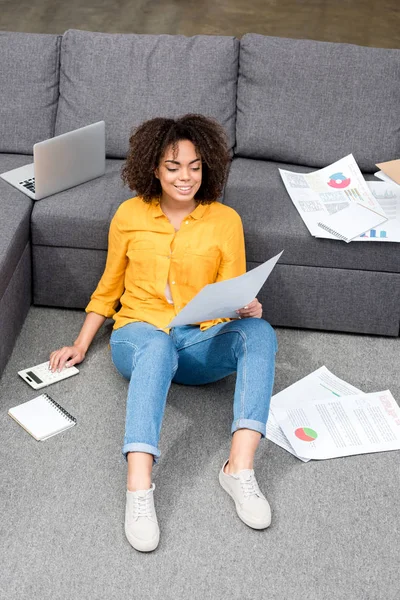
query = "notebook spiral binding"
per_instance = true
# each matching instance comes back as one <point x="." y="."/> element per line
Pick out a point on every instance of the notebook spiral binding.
<point x="60" y="408"/>
<point x="333" y="232"/>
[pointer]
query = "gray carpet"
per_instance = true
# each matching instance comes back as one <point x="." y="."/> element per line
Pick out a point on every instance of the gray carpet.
<point x="335" y="529"/>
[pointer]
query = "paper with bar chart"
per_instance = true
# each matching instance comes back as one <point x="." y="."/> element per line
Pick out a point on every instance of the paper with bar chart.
<point x="388" y="196"/>
<point x="333" y="427"/>
<point x="321" y="194"/>
<point x="316" y="386"/>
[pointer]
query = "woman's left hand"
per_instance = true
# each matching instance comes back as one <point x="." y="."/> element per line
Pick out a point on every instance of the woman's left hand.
<point x="253" y="309"/>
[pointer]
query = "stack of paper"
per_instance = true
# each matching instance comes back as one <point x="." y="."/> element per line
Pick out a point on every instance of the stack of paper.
<point x="334" y="202"/>
<point x="322" y="416"/>
<point x="388" y="196"/>
<point x="385" y="178"/>
<point x="351" y="222"/>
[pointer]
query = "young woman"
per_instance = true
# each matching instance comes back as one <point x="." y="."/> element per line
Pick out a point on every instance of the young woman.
<point x="164" y="246"/>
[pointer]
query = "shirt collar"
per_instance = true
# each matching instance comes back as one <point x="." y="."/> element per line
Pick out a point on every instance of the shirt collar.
<point x="156" y="209"/>
<point x="197" y="213"/>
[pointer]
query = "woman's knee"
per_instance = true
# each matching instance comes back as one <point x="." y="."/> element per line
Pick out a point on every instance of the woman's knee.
<point x="260" y="332"/>
<point x="150" y="346"/>
<point x="160" y="347"/>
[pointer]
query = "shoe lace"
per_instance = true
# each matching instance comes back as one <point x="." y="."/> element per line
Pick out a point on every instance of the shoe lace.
<point x="250" y="486"/>
<point x="142" y="506"/>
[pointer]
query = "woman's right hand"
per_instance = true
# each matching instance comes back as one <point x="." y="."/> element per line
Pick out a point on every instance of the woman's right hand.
<point x="66" y="356"/>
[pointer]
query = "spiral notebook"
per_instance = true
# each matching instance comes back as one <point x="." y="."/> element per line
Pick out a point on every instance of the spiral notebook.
<point x="351" y="222"/>
<point x="42" y="417"/>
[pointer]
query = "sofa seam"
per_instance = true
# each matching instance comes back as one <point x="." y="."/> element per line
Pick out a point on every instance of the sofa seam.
<point x="328" y="267"/>
<point x="58" y="65"/>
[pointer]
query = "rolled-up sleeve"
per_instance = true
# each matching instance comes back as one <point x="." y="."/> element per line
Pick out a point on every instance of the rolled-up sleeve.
<point x="106" y="296"/>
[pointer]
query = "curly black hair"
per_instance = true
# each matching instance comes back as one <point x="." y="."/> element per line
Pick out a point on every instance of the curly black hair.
<point x="149" y="142"/>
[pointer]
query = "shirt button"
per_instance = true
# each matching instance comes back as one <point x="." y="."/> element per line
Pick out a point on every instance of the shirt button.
<point x="173" y="283"/>
<point x="178" y="307"/>
<point x="186" y="222"/>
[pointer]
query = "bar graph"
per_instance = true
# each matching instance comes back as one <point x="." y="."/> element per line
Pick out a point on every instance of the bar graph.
<point x="374" y="234"/>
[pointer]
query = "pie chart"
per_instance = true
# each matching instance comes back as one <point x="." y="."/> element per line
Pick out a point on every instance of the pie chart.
<point x="306" y="434"/>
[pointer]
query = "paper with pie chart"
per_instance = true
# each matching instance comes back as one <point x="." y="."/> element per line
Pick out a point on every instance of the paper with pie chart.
<point x="319" y="384"/>
<point x="334" y="427"/>
<point x="321" y="194"/>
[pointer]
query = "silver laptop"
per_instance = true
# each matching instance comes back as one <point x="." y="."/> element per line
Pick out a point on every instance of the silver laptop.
<point x="62" y="162"/>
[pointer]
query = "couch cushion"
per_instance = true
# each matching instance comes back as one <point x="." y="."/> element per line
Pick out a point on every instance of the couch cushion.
<point x="15" y="211"/>
<point x="126" y="79"/>
<point x="331" y="299"/>
<point x="311" y="103"/>
<point x="78" y="272"/>
<point x="80" y="217"/>
<point x="272" y="223"/>
<point x="29" y="78"/>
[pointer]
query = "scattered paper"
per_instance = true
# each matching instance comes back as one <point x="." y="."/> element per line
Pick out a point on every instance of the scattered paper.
<point x="276" y="435"/>
<point x="333" y="427"/>
<point x="316" y="386"/>
<point x="388" y="196"/>
<point x="381" y="175"/>
<point x="223" y="299"/>
<point x="327" y="191"/>
<point x="348" y="224"/>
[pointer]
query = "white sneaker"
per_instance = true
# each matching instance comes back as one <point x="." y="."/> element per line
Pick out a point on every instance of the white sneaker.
<point x="141" y="526"/>
<point x="251" y="505"/>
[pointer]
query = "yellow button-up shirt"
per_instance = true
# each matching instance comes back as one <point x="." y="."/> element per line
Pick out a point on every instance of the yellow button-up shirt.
<point x="145" y="252"/>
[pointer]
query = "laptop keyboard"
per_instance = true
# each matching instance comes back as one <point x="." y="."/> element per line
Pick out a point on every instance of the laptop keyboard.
<point x="29" y="184"/>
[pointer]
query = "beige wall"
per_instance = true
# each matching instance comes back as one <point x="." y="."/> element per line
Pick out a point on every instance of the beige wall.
<point x="366" y="22"/>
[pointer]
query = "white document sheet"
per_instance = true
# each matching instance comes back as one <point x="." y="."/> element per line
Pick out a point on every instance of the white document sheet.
<point x="333" y="427"/>
<point x="351" y="222"/>
<point x="384" y="177"/>
<point x="223" y="299"/>
<point x="317" y="385"/>
<point x="388" y="196"/>
<point x="325" y="192"/>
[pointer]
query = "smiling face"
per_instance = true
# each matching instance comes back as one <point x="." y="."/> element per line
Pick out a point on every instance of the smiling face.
<point x="179" y="175"/>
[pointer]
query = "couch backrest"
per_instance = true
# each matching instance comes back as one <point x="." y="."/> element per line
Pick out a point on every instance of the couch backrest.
<point x="311" y="103"/>
<point x="29" y="79"/>
<point x="126" y="79"/>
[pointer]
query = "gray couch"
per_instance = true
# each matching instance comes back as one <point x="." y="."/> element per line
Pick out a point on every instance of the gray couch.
<point x="295" y="104"/>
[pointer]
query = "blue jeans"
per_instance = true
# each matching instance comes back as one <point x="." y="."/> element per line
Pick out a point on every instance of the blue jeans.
<point x="150" y="359"/>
